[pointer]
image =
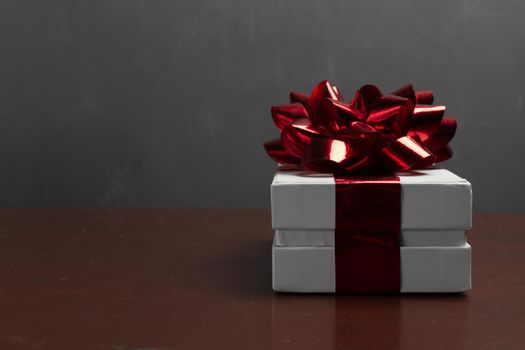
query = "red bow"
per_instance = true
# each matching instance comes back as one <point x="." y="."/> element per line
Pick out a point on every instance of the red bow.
<point x="373" y="133"/>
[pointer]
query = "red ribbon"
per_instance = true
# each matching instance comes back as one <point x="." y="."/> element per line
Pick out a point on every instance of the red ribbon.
<point x="368" y="225"/>
<point x="374" y="133"/>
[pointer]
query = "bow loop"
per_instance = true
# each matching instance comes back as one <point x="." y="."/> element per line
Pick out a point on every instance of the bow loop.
<point x="277" y="152"/>
<point x="297" y="136"/>
<point x="406" y="153"/>
<point x="426" y="121"/>
<point x="284" y="115"/>
<point x="406" y="91"/>
<point x="424" y="97"/>
<point x="366" y="98"/>
<point x="329" y="155"/>
<point x="296" y="97"/>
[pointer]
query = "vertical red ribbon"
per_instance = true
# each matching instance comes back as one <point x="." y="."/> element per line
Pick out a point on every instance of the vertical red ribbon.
<point x="367" y="234"/>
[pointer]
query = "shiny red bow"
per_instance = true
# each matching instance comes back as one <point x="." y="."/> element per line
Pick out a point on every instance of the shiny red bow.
<point x="373" y="133"/>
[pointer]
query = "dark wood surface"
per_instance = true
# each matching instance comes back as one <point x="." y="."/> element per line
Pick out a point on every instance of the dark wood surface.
<point x="201" y="279"/>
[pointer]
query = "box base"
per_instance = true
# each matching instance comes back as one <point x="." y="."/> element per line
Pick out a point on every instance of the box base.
<point x="423" y="269"/>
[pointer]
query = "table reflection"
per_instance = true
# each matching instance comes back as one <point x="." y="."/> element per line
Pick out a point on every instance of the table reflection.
<point x="389" y="322"/>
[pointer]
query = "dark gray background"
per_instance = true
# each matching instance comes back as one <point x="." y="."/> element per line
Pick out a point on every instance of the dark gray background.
<point x="166" y="103"/>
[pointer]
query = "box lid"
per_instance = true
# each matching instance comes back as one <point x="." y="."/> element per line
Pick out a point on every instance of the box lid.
<point x="431" y="199"/>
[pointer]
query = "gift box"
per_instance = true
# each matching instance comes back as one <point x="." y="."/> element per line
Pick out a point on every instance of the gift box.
<point x="436" y="207"/>
<point x="358" y="204"/>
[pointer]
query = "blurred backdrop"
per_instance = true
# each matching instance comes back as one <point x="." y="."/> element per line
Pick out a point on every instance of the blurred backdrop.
<point x="139" y="103"/>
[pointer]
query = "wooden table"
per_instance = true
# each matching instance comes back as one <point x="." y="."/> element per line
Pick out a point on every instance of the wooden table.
<point x="201" y="279"/>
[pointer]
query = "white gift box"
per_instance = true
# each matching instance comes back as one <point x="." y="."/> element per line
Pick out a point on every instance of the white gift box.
<point x="436" y="211"/>
<point x="423" y="269"/>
